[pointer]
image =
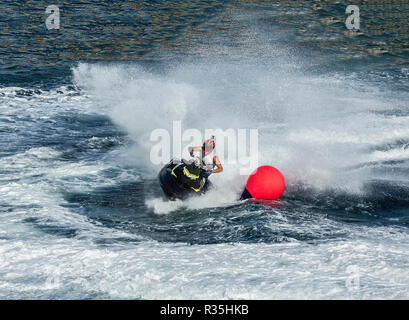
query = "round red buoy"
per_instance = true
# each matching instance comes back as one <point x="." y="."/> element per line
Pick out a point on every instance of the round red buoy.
<point x="266" y="182"/>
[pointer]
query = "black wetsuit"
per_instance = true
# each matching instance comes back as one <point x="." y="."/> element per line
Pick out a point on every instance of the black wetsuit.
<point x="189" y="176"/>
<point x="180" y="180"/>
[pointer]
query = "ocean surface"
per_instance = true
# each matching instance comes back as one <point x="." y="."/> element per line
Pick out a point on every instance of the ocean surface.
<point x="82" y="215"/>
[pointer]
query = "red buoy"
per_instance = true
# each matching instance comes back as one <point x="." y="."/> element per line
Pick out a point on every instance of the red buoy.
<point x="266" y="182"/>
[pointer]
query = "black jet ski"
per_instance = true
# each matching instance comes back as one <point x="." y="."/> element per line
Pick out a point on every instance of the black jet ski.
<point x="181" y="179"/>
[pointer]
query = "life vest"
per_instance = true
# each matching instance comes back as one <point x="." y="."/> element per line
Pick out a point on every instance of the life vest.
<point x="189" y="176"/>
<point x="208" y="159"/>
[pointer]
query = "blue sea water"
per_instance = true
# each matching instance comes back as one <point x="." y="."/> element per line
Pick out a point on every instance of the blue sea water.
<point x="82" y="215"/>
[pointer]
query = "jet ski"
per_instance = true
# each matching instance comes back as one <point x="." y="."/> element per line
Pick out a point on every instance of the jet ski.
<point x="181" y="179"/>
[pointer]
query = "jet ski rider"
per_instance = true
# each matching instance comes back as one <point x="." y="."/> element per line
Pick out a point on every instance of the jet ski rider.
<point x="208" y="156"/>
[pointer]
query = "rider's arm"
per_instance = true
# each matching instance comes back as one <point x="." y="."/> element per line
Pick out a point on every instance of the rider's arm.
<point x="191" y="149"/>
<point x="217" y="163"/>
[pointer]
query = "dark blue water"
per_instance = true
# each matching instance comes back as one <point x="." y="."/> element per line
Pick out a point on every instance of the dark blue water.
<point x="82" y="214"/>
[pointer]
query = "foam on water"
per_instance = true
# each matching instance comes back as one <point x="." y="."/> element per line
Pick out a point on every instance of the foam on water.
<point x="311" y="127"/>
<point x="34" y="192"/>
<point x="342" y="270"/>
<point x="33" y="179"/>
<point x="323" y="131"/>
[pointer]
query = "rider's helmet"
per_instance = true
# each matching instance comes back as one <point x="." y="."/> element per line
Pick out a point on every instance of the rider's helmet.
<point x="208" y="146"/>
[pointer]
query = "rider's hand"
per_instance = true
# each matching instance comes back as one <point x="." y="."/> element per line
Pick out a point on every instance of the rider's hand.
<point x="207" y="173"/>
